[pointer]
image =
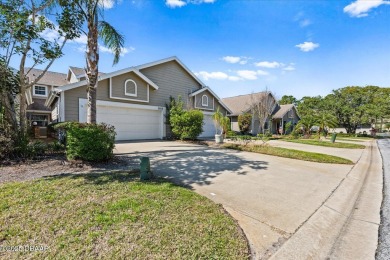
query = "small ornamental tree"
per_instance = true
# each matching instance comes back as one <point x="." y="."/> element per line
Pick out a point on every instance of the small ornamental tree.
<point x="244" y="122"/>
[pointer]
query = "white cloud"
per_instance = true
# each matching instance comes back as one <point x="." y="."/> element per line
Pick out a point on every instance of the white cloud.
<point x="234" y="78"/>
<point x="289" y="68"/>
<point x="107" y="4"/>
<point x="251" y="74"/>
<point x="175" y="3"/>
<point x="360" y="8"/>
<point x="236" y="59"/>
<point x="181" y="3"/>
<point x="231" y="59"/>
<point x="305" y="22"/>
<point x="262" y="73"/>
<point x="81" y="40"/>
<point x="307" y="46"/>
<point x="212" y="75"/>
<point x="123" y="52"/>
<point x="51" y="35"/>
<point x="268" y="64"/>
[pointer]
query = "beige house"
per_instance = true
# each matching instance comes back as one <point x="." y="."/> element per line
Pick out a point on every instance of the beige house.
<point x="133" y="99"/>
<point x="281" y="114"/>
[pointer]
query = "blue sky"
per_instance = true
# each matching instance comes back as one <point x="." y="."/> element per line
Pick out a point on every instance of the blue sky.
<point x="300" y="48"/>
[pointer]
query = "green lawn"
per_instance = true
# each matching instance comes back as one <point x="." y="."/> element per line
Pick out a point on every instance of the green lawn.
<point x="326" y="143"/>
<point x="290" y="153"/>
<point x="115" y="216"/>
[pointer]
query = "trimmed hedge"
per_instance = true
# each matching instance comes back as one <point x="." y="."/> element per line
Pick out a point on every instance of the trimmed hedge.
<point x="88" y="142"/>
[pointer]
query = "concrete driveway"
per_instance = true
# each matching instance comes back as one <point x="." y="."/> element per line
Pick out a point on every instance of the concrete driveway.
<point x="270" y="197"/>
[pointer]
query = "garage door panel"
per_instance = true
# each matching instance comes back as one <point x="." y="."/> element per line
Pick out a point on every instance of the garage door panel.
<point x="208" y="126"/>
<point x="129" y="123"/>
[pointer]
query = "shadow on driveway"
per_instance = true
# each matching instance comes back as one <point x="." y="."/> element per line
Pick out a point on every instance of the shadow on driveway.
<point x="197" y="166"/>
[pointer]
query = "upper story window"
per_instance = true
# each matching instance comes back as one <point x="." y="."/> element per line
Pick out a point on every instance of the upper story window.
<point x="205" y="101"/>
<point x="130" y="88"/>
<point x="40" y="91"/>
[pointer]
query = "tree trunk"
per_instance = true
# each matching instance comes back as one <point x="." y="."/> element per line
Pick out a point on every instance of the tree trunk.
<point x="92" y="59"/>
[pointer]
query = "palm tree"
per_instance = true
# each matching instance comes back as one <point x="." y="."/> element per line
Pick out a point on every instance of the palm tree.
<point x="91" y="11"/>
<point x="306" y="123"/>
<point x="325" y="121"/>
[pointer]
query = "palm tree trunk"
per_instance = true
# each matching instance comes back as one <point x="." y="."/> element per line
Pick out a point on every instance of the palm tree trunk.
<point x="92" y="67"/>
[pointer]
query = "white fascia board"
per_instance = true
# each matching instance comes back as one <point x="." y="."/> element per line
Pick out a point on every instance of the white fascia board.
<point x="28" y="95"/>
<point x="62" y="107"/>
<point x="110" y="75"/>
<point x="173" y="58"/>
<point x="125" y="105"/>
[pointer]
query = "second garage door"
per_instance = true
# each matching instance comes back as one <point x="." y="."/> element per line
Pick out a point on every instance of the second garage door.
<point x="130" y="122"/>
<point x="208" y="126"/>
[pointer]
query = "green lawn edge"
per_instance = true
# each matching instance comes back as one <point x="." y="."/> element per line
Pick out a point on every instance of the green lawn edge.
<point x="326" y="143"/>
<point x="290" y="153"/>
<point x="114" y="215"/>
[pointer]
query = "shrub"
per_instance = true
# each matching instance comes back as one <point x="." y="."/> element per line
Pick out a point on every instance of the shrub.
<point x="244" y="122"/>
<point x="230" y="134"/>
<point x="187" y="124"/>
<point x="88" y="142"/>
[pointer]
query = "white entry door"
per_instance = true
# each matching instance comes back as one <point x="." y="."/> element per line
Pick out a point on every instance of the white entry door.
<point x="131" y="122"/>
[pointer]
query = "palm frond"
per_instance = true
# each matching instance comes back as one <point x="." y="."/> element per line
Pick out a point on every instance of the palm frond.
<point x="112" y="39"/>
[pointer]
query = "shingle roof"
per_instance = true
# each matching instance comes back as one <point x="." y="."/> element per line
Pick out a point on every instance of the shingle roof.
<point x="50" y="78"/>
<point x="283" y="110"/>
<point x="38" y="104"/>
<point x="81" y="72"/>
<point x="240" y="104"/>
<point x="77" y="71"/>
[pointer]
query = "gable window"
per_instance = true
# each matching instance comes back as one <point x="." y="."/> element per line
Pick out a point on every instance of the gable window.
<point x="205" y="101"/>
<point x="40" y="91"/>
<point x="130" y="88"/>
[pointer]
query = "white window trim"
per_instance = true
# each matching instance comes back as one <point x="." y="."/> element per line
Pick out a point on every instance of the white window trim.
<point x="39" y="95"/>
<point x="129" y="99"/>
<point x="206" y="104"/>
<point x="135" y="89"/>
<point x="202" y="107"/>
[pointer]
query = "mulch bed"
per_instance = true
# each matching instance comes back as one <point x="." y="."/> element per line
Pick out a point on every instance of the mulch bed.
<point x="57" y="165"/>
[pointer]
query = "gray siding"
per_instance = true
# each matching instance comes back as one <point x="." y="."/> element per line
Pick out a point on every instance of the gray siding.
<point x="172" y="80"/>
<point x="72" y="99"/>
<point x="118" y="86"/>
<point x="198" y="101"/>
<point x="234" y="123"/>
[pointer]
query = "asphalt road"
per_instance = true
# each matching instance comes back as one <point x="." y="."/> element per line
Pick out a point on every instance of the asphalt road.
<point x="383" y="251"/>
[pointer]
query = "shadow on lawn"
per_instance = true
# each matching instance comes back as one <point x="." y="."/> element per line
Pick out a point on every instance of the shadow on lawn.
<point x="183" y="167"/>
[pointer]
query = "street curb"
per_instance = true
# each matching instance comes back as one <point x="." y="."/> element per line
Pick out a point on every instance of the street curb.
<point x="334" y="231"/>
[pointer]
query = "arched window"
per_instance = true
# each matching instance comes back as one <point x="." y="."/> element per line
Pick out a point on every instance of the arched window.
<point x="205" y="101"/>
<point x="130" y="88"/>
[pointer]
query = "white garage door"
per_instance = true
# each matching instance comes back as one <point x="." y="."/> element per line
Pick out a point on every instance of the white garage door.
<point x="208" y="127"/>
<point x="131" y="122"/>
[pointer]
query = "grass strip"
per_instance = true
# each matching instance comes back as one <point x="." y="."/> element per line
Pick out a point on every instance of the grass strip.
<point x="114" y="216"/>
<point x="326" y="143"/>
<point x="290" y="153"/>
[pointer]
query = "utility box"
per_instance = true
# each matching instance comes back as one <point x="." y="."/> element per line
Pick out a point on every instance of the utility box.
<point x="145" y="172"/>
<point x="333" y="138"/>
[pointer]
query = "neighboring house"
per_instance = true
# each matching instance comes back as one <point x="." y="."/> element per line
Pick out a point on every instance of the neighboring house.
<point x="281" y="115"/>
<point x="134" y="99"/>
<point x="37" y="113"/>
